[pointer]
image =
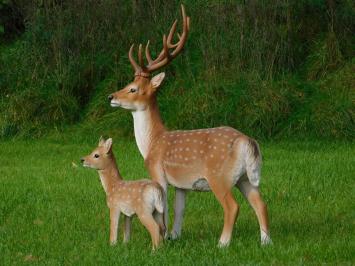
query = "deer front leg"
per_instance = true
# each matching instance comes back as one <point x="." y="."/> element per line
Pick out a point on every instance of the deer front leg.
<point x="179" y="209"/>
<point x="127" y="229"/>
<point x="166" y="209"/>
<point x="114" y="219"/>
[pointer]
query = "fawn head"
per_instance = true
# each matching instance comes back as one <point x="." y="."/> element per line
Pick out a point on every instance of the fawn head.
<point x="101" y="157"/>
<point x="138" y="94"/>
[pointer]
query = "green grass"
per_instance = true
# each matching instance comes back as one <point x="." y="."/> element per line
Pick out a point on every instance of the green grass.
<point x="54" y="213"/>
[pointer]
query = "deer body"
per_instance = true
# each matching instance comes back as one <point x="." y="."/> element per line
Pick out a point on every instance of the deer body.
<point x="215" y="159"/>
<point x="192" y="159"/>
<point x="141" y="197"/>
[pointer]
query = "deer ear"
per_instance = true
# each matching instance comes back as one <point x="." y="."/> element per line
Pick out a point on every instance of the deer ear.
<point x="108" y="145"/>
<point x="157" y="80"/>
<point x="101" y="141"/>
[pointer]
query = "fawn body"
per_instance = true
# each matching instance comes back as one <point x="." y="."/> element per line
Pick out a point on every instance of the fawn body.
<point x="215" y="159"/>
<point x="141" y="197"/>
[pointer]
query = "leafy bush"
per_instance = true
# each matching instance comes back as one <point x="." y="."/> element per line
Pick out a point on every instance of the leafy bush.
<point x="268" y="68"/>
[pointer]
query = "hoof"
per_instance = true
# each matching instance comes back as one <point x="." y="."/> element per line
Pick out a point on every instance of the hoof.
<point x="173" y="236"/>
<point x="265" y="239"/>
<point x="222" y="244"/>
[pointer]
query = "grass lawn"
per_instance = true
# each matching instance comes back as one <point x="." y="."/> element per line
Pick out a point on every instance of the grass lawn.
<point x="52" y="212"/>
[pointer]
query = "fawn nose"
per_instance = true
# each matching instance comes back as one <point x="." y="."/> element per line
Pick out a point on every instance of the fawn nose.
<point x="82" y="160"/>
<point x="110" y="97"/>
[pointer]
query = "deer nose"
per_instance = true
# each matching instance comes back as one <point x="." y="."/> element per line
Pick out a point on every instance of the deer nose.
<point x="110" y="97"/>
<point x="82" y="160"/>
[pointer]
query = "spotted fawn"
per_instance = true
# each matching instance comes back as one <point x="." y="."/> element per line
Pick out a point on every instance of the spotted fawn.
<point x="141" y="197"/>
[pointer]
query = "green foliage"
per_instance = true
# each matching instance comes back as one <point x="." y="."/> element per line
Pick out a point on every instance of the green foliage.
<point x="260" y="66"/>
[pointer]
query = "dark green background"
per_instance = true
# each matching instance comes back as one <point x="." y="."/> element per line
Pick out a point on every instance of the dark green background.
<point x="272" y="69"/>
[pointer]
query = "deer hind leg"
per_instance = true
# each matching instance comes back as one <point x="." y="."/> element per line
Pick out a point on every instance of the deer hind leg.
<point x="153" y="228"/>
<point x="224" y="195"/>
<point x="159" y="218"/>
<point x="253" y="196"/>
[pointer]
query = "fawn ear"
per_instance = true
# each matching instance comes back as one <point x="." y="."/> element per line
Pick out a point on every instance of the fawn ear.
<point x="101" y="141"/>
<point x="108" y="145"/>
<point x="157" y="80"/>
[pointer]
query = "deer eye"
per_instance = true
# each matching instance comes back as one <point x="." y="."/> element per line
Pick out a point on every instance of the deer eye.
<point x="132" y="90"/>
<point x="96" y="156"/>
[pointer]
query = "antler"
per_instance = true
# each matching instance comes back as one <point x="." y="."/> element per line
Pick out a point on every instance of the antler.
<point x="165" y="56"/>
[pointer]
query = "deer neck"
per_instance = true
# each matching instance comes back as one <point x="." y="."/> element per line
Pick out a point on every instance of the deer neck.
<point x="147" y="127"/>
<point x="110" y="176"/>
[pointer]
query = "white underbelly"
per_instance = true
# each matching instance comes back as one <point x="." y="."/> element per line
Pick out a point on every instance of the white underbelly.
<point x="126" y="209"/>
<point x="197" y="183"/>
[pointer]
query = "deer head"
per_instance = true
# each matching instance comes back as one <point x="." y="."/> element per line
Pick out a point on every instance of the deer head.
<point x="138" y="94"/>
<point x="101" y="157"/>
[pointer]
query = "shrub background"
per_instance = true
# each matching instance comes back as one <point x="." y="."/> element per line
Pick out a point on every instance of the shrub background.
<point x="273" y="69"/>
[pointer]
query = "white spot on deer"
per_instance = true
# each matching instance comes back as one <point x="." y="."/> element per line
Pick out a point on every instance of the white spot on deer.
<point x="180" y="149"/>
<point x="186" y="159"/>
<point x="214" y="147"/>
<point x="187" y="149"/>
<point x="219" y="134"/>
<point x="211" y="155"/>
<point x="195" y="151"/>
<point x="201" y="151"/>
<point x="201" y="142"/>
<point x="180" y="141"/>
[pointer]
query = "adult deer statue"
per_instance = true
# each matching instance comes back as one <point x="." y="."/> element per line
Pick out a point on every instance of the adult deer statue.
<point x="216" y="159"/>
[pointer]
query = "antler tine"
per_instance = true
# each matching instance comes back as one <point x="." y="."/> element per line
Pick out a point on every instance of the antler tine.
<point x="134" y="64"/>
<point x="147" y="54"/>
<point x="166" y="47"/>
<point x="165" y="56"/>
<point x="171" y="35"/>
<point x="140" y="57"/>
<point x="183" y="36"/>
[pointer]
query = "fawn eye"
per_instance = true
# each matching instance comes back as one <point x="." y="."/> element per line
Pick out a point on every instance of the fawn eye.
<point x="96" y="156"/>
<point x="132" y="90"/>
